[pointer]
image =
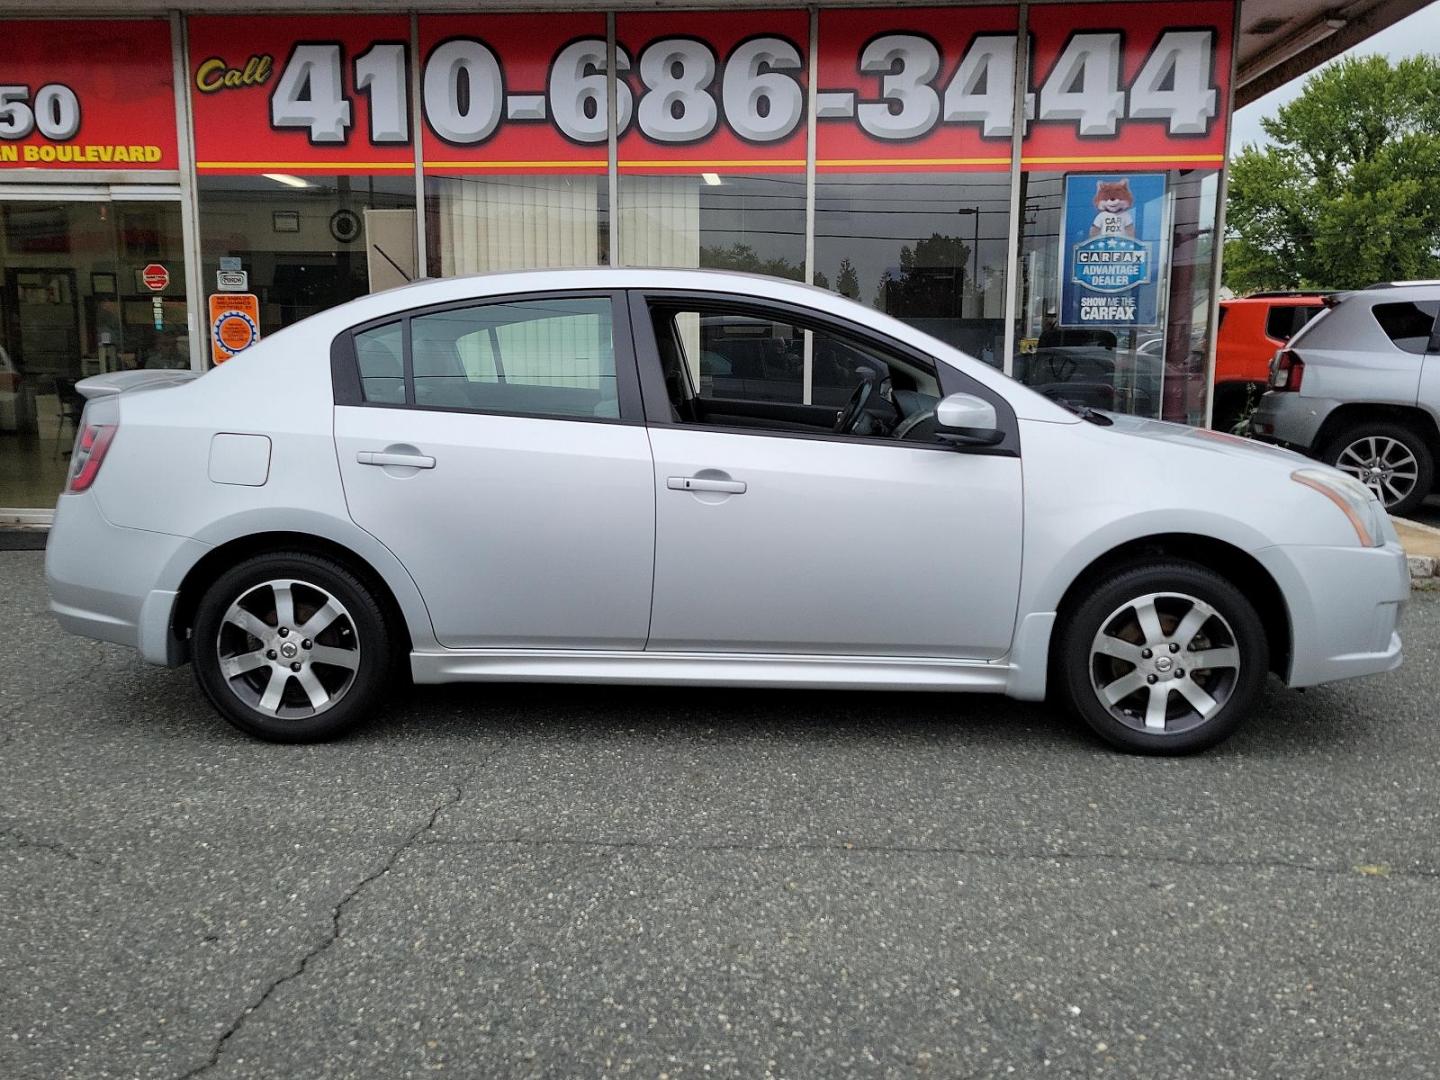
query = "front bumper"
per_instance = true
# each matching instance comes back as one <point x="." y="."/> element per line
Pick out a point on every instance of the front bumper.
<point x="1290" y="419"/>
<point x="1345" y="607"/>
<point x="116" y="584"/>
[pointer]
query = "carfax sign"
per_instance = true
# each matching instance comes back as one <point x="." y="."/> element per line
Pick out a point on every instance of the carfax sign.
<point x="1110" y="254"/>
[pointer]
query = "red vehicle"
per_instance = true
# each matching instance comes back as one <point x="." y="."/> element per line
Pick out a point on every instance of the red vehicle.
<point x="1252" y="329"/>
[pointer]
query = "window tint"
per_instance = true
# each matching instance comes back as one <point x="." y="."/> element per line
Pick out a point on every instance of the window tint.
<point x="1408" y="324"/>
<point x="549" y="357"/>
<point x="382" y="374"/>
<point x="1283" y="321"/>
<point x="729" y="367"/>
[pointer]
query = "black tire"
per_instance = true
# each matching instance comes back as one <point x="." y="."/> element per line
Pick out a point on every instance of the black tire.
<point x="354" y="688"/>
<point x="1080" y="672"/>
<point x="1408" y="437"/>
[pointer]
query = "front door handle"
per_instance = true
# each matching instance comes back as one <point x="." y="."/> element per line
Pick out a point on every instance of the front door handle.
<point x="705" y="483"/>
<point x="386" y="457"/>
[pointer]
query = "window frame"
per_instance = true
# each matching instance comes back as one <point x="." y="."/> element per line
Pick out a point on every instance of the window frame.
<point x="345" y="363"/>
<point x="656" y="399"/>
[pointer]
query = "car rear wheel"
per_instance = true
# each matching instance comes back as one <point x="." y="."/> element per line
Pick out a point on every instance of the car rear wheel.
<point x="291" y="647"/>
<point x="1163" y="658"/>
<point x="1392" y="460"/>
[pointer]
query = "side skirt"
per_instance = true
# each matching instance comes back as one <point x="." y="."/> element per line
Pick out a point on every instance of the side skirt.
<point x="709" y="669"/>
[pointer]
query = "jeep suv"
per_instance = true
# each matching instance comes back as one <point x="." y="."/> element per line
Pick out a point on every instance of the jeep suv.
<point x="1359" y="388"/>
<point x="1252" y="328"/>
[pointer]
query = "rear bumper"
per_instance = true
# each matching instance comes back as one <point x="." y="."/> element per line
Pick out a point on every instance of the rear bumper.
<point x="116" y="584"/>
<point x="1345" y="607"/>
<point x="1291" y="419"/>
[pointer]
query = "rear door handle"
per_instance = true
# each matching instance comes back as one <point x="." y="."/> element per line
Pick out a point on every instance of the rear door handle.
<point x="704" y="483"/>
<point x="385" y="457"/>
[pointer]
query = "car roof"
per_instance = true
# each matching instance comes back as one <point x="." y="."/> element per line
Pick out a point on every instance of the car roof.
<point x="1280" y="299"/>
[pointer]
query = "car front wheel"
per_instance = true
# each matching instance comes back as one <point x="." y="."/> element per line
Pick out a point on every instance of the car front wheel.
<point x="291" y="647"/>
<point x="1164" y="658"/>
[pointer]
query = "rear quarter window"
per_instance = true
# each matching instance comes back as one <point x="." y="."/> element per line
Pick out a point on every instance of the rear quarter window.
<point x="1408" y="323"/>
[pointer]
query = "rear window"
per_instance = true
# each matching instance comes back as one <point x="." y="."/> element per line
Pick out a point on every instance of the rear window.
<point x="1282" y="321"/>
<point x="1408" y="324"/>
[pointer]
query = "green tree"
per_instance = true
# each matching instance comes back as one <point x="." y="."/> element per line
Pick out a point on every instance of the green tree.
<point x="742" y="257"/>
<point x="847" y="281"/>
<point x="1348" y="194"/>
<point x="930" y="279"/>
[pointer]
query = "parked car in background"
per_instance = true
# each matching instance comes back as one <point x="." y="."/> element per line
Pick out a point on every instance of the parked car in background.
<point x="532" y="476"/>
<point x="1359" y="388"/>
<point x="1252" y="328"/>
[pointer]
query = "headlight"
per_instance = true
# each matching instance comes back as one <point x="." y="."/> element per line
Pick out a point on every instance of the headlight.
<point x="1356" y="501"/>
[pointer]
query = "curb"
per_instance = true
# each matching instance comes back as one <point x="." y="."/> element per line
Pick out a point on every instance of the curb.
<point x="1421" y="566"/>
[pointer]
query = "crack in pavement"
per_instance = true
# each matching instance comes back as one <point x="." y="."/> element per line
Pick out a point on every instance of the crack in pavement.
<point x="941" y="849"/>
<point x="218" y="1050"/>
<point x="22" y="841"/>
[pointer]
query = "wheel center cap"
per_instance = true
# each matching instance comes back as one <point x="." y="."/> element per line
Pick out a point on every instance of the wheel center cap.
<point x="288" y="650"/>
<point x="1163" y="664"/>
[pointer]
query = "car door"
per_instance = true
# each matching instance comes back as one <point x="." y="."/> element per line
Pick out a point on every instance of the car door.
<point x="775" y="535"/>
<point x="497" y="448"/>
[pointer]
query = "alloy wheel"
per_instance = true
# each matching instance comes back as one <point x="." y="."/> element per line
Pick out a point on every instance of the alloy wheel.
<point x="288" y="649"/>
<point x="1164" y="663"/>
<point x="1386" y="466"/>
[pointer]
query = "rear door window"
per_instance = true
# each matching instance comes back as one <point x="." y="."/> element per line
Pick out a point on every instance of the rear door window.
<point x="1283" y="321"/>
<point x="1409" y="323"/>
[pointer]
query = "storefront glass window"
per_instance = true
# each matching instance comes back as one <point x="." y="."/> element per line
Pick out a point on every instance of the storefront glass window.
<point x="480" y="223"/>
<point x="88" y="287"/>
<point x="1101" y="322"/>
<point x="928" y="248"/>
<point x="754" y="223"/>
<point x="309" y="242"/>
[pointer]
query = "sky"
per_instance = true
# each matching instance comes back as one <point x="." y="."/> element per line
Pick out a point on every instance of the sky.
<point x="1417" y="33"/>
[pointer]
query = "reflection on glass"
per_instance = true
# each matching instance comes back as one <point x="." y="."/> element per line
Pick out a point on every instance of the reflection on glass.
<point x="926" y="248"/>
<point x="714" y="220"/>
<point x="1158" y="371"/>
<point x="479" y="223"/>
<point x="309" y="242"/>
<point x="76" y="302"/>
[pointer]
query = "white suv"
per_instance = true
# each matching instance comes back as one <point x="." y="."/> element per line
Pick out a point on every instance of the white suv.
<point x="1359" y="388"/>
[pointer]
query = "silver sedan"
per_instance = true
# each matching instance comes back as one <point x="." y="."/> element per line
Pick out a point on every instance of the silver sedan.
<point x="696" y="478"/>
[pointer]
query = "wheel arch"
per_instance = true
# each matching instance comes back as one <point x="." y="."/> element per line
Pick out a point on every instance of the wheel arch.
<point x="1358" y="412"/>
<point x="220" y="558"/>
<point x="1234" y="564"/>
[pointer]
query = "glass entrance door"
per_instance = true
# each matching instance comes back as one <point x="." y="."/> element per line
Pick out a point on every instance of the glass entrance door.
<point x="86" y="286"/>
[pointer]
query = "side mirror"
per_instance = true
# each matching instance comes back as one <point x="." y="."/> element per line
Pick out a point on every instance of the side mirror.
<point x="967" y="420"/>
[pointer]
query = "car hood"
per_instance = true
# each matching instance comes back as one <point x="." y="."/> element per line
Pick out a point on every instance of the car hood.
<point x="1216" y="442"/>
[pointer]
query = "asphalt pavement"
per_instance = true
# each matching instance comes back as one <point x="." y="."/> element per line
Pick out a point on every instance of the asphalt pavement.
<point x="572" y="881"/>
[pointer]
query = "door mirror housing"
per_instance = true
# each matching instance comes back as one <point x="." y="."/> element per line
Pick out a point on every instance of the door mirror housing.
<point x="967" y="420"/>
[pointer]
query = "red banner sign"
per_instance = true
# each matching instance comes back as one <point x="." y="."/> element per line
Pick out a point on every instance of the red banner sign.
<point x="712" y="91"/>
<point x="927" y="89"/>
<point x="514" y="93"/>
<point x="1145" y="85"/>
<point x="934" y="88"/>
<point x="899" y="88"/>
<point x="91" y="94"/>
<point x="297" y="94"/>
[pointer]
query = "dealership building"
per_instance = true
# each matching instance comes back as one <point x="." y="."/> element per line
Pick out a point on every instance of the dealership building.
<point x="1041" y="185"/>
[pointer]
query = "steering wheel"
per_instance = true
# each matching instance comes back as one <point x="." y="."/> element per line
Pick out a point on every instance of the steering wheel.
<point x="849" y="417"/>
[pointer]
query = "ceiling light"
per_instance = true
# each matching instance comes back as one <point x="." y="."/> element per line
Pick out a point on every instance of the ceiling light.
<point x="286" y="179"/>
<point x="713" y="179"/>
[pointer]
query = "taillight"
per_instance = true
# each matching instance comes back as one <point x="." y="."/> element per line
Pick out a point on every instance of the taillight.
<point x="90" y="448"/>
<point x="1288" y="372"/>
